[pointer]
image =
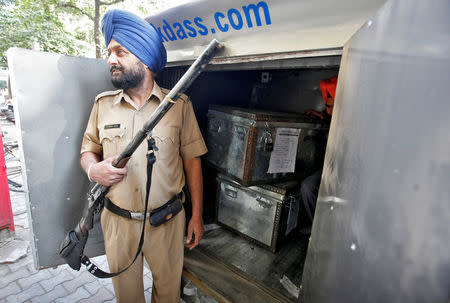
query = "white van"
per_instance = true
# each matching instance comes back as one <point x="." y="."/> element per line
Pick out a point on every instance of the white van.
<point x="380" y="231"/>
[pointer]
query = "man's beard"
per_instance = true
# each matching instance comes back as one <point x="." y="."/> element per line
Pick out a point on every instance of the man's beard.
<point x="129" y="78"/>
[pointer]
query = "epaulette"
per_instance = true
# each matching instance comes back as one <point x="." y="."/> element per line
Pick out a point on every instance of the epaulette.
<point x="183" y="97"/>
<point x="107" y="93"/>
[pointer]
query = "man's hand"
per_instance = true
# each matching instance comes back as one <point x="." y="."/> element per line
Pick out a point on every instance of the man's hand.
<point x="193" y="169"/>
<point x="194" y="233"/>
<point x="105" y="174"/>
<point x="311" y="112"/>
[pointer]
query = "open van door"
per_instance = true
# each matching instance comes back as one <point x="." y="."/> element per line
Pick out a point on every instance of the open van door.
<point x="53" y="96"/>
<point x="381" y="232"/>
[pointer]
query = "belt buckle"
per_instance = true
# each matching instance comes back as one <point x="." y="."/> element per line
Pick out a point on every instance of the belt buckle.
<point x="138" y="216"/>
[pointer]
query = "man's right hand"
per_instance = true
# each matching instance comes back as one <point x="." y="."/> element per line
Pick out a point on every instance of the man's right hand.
<point x="314" y="113"/>
<point x="105" y="173"/>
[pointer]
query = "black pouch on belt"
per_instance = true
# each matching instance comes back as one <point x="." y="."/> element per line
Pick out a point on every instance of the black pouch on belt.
<point x="166" y="212"/>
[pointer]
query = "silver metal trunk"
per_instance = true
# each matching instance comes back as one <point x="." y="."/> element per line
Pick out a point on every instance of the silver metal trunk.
<point x="259" y="213"/>
<point x="239" y="143"/>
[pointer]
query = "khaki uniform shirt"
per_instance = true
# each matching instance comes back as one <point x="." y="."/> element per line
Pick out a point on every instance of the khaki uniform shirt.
<point x="115" y="120"/>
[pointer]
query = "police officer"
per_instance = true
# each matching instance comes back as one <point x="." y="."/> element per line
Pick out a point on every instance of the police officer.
<point x="135" y="55"/>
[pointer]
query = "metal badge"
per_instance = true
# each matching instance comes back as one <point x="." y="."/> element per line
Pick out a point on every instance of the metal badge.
<point x="109" y="126"/>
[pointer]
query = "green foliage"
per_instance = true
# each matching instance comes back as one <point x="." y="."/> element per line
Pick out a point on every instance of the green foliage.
<point x="25" y="22"/>
<point x="92" y="10"/>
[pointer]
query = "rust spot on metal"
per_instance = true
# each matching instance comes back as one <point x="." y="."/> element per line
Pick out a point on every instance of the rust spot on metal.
<point x="249" y="163"/>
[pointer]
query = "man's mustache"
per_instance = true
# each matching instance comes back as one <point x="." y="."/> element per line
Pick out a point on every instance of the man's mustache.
<point x="115" y="67"/>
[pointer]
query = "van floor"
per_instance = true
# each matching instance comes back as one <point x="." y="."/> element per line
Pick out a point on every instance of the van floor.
<point x="232" y="269"/>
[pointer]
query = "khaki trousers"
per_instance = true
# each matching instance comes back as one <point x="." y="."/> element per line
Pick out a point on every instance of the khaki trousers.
<point x="163" y="250"/>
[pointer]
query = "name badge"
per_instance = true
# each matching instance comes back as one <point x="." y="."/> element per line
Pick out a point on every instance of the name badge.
<point x="109" y="126"/>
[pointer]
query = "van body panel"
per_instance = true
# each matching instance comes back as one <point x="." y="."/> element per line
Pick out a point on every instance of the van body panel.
<point x="261" y="29"/>
<point x="381" y="228"/>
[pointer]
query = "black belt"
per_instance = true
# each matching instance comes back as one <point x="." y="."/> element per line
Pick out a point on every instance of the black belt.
<point x="136" y="215"/>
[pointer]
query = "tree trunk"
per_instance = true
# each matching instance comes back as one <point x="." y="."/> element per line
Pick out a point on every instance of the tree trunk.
<point x="98" y="48"/>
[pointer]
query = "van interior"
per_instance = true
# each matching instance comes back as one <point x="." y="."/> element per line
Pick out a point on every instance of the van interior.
<point x="226" y="265"/>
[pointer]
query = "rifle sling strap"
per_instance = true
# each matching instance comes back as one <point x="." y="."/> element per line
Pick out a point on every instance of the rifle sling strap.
<point x="91" y="267"/>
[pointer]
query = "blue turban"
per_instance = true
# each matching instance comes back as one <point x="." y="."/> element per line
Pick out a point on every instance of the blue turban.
<point x="137" y="36"/>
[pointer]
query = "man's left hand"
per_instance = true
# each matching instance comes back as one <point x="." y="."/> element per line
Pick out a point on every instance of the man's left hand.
<point x="194" y="233"/>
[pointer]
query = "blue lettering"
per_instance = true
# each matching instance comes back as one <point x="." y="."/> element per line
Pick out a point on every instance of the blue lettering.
<point x="169" y="32"/>
<point x="255" y="9"/>
<point x="251" y="15"/>
<point x="231" y="12"/>
<point x="218" y="15"/>
<point x="204" y="29"/>
<point x="180" y="32"/>
<point x="191" y="30"/>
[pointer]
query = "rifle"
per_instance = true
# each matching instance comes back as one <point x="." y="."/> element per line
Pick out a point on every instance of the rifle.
<point x="72" y="247"/>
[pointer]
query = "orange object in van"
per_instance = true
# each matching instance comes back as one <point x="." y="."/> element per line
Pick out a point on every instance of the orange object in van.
<point x="328" y="88"/>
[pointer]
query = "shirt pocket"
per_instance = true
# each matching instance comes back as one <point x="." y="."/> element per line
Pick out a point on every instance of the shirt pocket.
<point x="112" y="140"/>
<point x="168" y="143"/>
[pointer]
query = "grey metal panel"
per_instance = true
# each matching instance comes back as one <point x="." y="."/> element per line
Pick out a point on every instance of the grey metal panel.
<point x="54" y="95"/>
<point x="381" y="231"/>
<point x="315" y="59"/>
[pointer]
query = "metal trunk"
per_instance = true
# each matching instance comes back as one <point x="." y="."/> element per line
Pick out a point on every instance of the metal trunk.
<point x="259" y="213"/>
<point x="239" y="143"/>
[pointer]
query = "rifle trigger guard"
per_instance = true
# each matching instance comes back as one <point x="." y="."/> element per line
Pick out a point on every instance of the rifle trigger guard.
<point x="99" y="207"/>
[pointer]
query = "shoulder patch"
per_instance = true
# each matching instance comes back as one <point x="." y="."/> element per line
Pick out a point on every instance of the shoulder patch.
<point x="185" y="98"/>
<point x="107" y="93"/>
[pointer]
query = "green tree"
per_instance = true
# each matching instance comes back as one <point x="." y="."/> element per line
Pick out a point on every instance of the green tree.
<point x="24" y="22"/>
<point x="92" y="9"/>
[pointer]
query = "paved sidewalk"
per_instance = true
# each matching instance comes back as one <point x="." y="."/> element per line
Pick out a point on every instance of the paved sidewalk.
<point x="21" y="282"/>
